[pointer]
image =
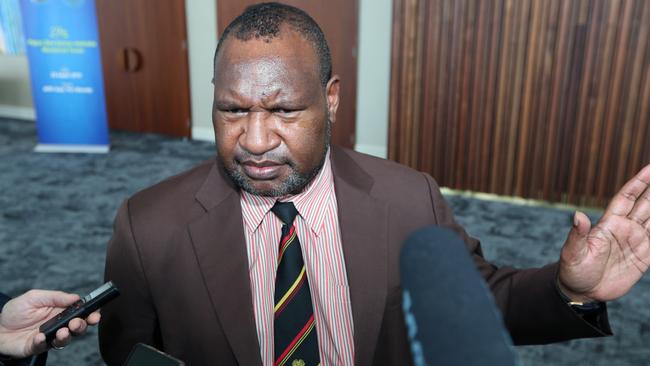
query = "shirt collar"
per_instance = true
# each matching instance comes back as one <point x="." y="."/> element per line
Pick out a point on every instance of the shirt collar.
<point x="309" y="202"/>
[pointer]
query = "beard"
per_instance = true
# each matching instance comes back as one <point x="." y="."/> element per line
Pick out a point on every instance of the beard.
<point x="292" y="184"/>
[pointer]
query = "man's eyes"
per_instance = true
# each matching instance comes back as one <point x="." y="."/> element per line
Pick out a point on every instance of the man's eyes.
<point x="279" y="111"/>
<point x="284" y="111"/>
<point x="234" y="110"/>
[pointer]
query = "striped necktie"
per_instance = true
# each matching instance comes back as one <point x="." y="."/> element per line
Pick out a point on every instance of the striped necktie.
<point x="296" y="342"/>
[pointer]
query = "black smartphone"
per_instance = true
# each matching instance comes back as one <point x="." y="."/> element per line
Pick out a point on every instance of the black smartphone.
<point x="145" y="355"/>
<point x="80" y="309"/>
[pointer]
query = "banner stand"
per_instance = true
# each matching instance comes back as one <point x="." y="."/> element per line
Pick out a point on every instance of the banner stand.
<point x="62" y="46"/>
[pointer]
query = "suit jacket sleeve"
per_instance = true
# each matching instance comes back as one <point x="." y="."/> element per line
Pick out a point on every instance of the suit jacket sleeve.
<point x="532" y="308"/>
<point x="123" y="324"/>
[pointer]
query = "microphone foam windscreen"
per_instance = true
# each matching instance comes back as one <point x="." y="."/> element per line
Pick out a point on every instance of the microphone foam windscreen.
<point x="451" y="316"/>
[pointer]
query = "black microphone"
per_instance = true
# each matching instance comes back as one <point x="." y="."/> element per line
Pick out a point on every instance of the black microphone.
<point x="146" y="355"/>
<point x="450" y="313"/>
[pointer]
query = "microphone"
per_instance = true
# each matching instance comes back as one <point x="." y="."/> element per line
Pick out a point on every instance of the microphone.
<point x="145" y="355"/>
<point x="450" y="314"/>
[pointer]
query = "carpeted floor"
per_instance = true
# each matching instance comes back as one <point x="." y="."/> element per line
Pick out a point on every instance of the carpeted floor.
<point x="56" y="212"/>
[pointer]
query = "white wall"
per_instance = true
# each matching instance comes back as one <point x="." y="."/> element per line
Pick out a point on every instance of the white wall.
<point x="15" y="89"/>
<point x="373" y="76"/>
<point x="202" y="41"/>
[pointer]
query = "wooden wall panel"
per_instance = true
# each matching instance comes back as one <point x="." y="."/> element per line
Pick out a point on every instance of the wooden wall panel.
<point x="544" y="99"/>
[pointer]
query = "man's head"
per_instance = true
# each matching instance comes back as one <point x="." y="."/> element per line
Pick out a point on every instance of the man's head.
<point x="265" y="21"/>
<point x="274" y="99"/>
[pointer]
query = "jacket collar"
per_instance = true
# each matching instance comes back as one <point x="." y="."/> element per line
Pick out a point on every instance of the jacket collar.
<point x="218" y="240"/>
<point x="364" y="235"/>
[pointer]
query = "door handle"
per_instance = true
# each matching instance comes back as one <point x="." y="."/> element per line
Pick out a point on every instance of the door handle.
<point x="129" y="59"/>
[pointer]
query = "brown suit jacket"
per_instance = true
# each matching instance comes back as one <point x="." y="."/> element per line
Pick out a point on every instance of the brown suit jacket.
<point x="178" y="256"/>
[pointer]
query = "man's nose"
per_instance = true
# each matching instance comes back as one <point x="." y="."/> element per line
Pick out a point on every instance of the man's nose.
<point x="259" y="136"/>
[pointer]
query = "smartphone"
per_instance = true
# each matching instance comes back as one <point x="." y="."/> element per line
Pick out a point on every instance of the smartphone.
<point x="80" y="309"/>
<point x="145" y="355"/>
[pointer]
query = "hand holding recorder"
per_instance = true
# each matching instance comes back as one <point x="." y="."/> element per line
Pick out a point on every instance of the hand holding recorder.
<point x="38" y="319"/>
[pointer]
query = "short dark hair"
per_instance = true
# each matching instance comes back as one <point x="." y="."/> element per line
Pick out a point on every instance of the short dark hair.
<point x="264" y="21"/>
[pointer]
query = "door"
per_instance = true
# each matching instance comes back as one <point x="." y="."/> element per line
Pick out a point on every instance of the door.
<point x="144" y="57"/>
<point x="338" y="20"/>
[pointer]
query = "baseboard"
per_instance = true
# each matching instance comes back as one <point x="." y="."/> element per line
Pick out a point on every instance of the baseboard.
<point x="202" y="133"/>
<point x="88" y="149"/>
<point x="22" y="113"/>
<point x="375" y="150"/>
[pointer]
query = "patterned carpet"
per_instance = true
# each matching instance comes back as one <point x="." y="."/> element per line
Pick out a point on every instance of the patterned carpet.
<point x="56" y="213"/>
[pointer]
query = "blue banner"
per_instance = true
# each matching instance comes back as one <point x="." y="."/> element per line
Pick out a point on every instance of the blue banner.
<point x="12" y="41"/>
<point x="62" y="44"/>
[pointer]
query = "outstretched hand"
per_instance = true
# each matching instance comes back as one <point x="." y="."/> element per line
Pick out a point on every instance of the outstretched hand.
<point x="21" y="317"/>
<point x="603" y="262"/>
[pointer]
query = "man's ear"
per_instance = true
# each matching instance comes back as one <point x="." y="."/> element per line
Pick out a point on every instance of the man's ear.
<point x="332" y="93"/>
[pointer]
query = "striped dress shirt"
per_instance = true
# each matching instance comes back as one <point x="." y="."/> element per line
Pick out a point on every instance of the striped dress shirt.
<point x="317" y="227"/>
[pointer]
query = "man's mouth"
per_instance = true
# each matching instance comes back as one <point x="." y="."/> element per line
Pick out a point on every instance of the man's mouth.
<point x="261" y="170"/>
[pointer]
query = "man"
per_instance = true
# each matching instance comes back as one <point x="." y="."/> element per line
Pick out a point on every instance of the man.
<point x="207" y="260"/>
<point x="21" y="317"/>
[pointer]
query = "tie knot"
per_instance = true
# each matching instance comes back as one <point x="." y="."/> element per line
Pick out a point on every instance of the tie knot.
<point x="285" y="211"/>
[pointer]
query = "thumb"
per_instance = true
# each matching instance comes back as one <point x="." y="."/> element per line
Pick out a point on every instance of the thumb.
<point x="45" y="298"/>
<point x="575" y="248"/>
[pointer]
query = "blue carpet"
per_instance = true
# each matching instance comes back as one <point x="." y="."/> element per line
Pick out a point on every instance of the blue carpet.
<point x="56" y="213"/>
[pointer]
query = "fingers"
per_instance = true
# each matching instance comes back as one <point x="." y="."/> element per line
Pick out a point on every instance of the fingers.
<point x="38" y="345"/>
<point x="93" y="318"/>
<point x="63" y="338"/>
<point x="581" y="224"/>
<point x="625" y="200"/>
<point x="575" y="248"/>
<point x="641" y="210"/>
<point x="42" y="298"/>
<point x="77" y="326"/>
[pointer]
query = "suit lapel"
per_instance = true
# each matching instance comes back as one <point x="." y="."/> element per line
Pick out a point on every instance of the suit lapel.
<point x="218" y="239"/>
<point x="364" y="225"/>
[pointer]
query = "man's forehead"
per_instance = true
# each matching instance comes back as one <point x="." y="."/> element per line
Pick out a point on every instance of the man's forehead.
<point x="286" y="35"/>
<point x="288" y="46"/>
<point x="256" y="67"/>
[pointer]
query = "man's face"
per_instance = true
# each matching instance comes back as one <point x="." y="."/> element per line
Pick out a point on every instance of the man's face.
<point x="271" y="113"/>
